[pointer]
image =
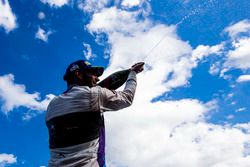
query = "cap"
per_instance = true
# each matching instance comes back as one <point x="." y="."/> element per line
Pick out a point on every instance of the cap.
<point x="81" y="65"/>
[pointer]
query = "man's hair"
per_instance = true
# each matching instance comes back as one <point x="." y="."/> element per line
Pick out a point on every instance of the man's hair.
<point x="70" y="79"/>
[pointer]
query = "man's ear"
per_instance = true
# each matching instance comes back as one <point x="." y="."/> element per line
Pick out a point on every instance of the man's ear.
<point x="78" y="75"/>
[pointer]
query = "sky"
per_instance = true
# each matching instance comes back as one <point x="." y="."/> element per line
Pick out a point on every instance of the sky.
<point x="191" y="107"/>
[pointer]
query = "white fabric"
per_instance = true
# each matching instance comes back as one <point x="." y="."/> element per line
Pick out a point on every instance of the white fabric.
<point x="79" y="155"/>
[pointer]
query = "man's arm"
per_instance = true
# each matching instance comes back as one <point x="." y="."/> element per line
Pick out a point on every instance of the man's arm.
<point x="110" y="100"/>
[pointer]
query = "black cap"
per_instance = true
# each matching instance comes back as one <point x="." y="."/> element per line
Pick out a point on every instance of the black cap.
<point x="81" y="65"/>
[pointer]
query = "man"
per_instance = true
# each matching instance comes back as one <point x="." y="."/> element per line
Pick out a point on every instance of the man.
<point x="75" y="118"/>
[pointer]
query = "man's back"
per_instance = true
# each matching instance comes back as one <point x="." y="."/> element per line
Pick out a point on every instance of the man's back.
<point x="75" y="99"/>
<point x="74" y="125"/>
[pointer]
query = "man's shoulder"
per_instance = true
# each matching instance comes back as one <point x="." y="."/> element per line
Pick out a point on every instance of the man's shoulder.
<point x="83" y="88"/>
<point x="77" y="89"/>
<point x="99" y="89"/>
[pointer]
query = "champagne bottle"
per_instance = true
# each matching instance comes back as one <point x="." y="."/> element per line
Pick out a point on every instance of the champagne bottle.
<point x="115" y="80"/>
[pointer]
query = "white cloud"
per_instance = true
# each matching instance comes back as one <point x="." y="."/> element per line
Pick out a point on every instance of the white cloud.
<point x="236" y="51"/>
<point x="41" y="15"/>
<point x="7" y="17"/>
<point x="243" y="126"/>
<point x="7" y="159"/>
<point x="42" y="35"/>
<point x="92" y="5"/>
<point x="139" y="135"/>
<point x="173" y="59"/>
<point x="233" y="102"/>
<point x="161" y="133"/>
<point x="243" y="78"/>
<point x="142" y="6"/>
<point x="201" y="51"/>
<point x="186" y="1"/>
<point x="112" y="19"/>
<point x="130" y="3"/>
<point x="230" y="116"/>
<point x="215" y="68"/>
<point x="126" y="35"/>
<point x="14" y="95"/>
<point x="230" y="95"/>
<point x="240" y="27"/>
<point x="241" y="109"/>
<point x="239" y="57"/>
<point x="154" y="138"/>
<point x="55" y="3"/>
<point x="88" y="51"/>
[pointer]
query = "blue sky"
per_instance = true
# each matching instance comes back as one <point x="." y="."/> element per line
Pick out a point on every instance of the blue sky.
<point x="192" y="102"/>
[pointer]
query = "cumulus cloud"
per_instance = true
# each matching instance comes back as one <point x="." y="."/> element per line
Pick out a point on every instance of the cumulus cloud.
<point x="88" y="51"/>
<point x="241" y="109"/>
<point x="239" y="57"/>
<point x="243" y="78"/>
<point x="41" y="15"/>
<point x="126" y="35"/>
<point x="172" y="60"/>
<point x="130" y="3"/>
<point x="142" y="133"/>
<point x="240" y="27"/>
<point x="7" y="159"/>
<point x="7" y="17"/>
<point x="92" y="5"/>
<point x="159" y="133"/>
<point x="55" y="3"/>
<point x="114" y="20"/>
<point x="156" y="138"/>
<point x="234" y="53"/>
<point x="42" y="34"/>
<point x="244" y="126"/>
<point x="201" y="51"/>
<point x="215" y="68"/>
<point x="14" y="95"/>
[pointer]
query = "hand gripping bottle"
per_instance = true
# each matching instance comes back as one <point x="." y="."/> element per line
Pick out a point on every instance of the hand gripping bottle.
<point x="115" y="80"/>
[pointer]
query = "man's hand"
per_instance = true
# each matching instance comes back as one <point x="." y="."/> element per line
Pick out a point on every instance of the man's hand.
<point x="138" y="67"/>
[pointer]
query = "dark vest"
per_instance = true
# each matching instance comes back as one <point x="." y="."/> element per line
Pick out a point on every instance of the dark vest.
<point x="74" y="128"/>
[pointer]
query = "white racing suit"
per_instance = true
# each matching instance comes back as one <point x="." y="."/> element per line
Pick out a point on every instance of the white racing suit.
<point x="76" y="125"/>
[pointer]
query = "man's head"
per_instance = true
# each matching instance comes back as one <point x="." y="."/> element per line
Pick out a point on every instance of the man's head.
<point x="82" y="73"/>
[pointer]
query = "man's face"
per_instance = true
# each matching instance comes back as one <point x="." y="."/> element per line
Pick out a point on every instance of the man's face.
<point x="91" y="78"/>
